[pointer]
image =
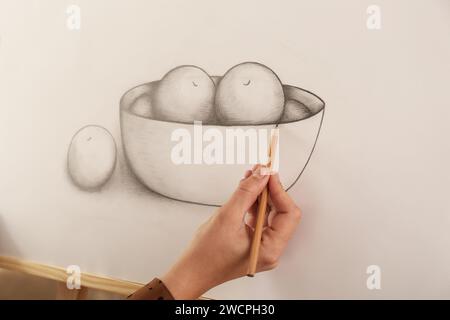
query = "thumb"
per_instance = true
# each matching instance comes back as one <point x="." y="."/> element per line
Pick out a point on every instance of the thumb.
<point x="248" y="191"/>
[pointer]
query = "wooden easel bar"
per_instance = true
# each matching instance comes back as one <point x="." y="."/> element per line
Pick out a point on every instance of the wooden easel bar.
<point x="88" y="280"/>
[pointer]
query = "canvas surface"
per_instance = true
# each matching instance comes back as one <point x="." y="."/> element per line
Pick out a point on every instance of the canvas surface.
<point x="374" y="193"/>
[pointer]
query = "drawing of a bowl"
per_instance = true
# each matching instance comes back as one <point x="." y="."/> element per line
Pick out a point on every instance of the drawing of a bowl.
<point x="148" y="147"/>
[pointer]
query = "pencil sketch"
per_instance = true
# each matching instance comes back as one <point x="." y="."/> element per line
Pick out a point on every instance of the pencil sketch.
<point x="91" y="157"/>
<point x="249" y="95"/>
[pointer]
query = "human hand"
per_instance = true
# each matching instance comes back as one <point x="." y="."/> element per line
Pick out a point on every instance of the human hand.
<point x="220" y="249"/>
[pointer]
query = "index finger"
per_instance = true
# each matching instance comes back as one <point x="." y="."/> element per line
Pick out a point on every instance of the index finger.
<point x="287" y="217"/>
<point x="279" y="197"/>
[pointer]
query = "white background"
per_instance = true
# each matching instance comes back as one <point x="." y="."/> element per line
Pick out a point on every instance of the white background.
<point x="375" y="192"/>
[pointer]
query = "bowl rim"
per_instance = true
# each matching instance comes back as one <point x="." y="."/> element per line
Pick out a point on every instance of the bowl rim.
<point x="321" y="109"/>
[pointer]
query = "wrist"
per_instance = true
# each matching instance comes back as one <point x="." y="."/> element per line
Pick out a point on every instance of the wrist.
<point x="186" y="281"/>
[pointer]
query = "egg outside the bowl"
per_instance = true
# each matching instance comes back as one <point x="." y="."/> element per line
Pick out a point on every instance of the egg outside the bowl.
<point x="91" y="158"/>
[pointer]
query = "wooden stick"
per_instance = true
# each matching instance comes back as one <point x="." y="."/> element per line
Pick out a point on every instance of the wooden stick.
<point x="88" y="280"/>
<point x="262" y="208"/>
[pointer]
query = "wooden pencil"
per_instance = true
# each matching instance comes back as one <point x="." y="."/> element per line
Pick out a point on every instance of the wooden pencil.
<point x="261" y="214"/>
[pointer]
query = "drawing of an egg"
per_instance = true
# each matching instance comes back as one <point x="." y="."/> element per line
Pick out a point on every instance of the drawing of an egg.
<point x="91" y="158"/>
<point x="142" y="106"/>
<point x="184" y="94"/>
<point x="295" y="110"/>
<point x="249" y="93"/>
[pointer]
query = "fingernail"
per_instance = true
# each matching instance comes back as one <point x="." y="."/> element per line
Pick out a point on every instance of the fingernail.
<point x="259" y="172"/>
<point x="266" y="171"/>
